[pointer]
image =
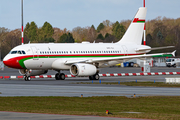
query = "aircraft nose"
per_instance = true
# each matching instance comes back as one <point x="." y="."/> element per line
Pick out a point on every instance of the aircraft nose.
<point x="7" y="61"/>
<point x="11" y="62"/>
<point x="5" y="58"/>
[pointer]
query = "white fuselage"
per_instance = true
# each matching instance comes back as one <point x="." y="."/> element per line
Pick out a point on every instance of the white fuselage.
<point x="42" y="56"/>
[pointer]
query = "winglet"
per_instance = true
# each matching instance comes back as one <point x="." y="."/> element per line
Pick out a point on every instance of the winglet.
<point x="173" y="53"/>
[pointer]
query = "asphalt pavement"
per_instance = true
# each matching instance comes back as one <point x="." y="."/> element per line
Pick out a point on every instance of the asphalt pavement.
<point x="70" y="87"/>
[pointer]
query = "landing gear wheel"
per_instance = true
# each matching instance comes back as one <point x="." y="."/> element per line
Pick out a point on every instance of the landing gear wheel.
<point x="94" y="77"/>
<point x="90" y="77"/>
<point x="60" y="76"/>
<point x="57" y="76"/>
<point x="27" y="78"/>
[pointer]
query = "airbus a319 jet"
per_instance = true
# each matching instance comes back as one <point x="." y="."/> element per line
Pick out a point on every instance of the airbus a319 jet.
<point x="82" y="59"/>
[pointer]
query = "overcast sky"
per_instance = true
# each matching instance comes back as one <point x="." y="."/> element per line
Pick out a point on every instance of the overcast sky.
<point x="72" y="13"/>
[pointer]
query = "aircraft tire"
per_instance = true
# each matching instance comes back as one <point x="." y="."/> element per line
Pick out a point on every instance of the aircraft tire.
<point x="62" y="76"/>
<point x="90" y="77"/>
<point x="57" y="76"/>
<point x="96" y="77"/>
<point x="27" y="78"/>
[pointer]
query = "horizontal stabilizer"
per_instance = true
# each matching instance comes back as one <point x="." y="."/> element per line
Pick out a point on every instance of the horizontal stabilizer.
<point x="157" y="48"/>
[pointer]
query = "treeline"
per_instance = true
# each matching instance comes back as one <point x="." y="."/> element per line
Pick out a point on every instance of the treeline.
<point x="159" y="32"/>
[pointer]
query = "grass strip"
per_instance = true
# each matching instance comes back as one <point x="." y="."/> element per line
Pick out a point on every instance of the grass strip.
<point x="150" y="84"/>
<point x="162" y="108"/>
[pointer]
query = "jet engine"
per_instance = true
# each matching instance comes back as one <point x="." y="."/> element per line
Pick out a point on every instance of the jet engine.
<point x="32" y="72"/>
<point x="81" y="69"/>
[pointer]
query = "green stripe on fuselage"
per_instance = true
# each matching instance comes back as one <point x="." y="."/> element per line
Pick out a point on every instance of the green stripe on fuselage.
<point x="21" y="62"/>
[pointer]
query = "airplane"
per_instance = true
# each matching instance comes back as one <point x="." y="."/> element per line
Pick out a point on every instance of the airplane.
<point x="82" y="59"/>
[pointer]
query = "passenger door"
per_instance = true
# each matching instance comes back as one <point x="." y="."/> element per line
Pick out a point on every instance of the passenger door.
<point x="35" y="53"/>
<point x="125" y="50"/>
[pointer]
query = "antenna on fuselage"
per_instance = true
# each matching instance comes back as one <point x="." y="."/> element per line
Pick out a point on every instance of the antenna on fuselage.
<point x="22" y="21"/>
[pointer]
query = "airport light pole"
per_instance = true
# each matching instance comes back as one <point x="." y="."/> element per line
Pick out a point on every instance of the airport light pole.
<point x="0" y="51"/>
<point x="22" y="21"/>
<point x="144" y="27"/>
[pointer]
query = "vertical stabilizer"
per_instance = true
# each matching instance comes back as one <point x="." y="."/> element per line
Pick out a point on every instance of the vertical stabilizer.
<point x="134" y="33"/>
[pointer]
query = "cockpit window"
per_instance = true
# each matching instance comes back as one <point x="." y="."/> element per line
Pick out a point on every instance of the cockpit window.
<point x="23" y="52"/>
<point x="17" y="52"/>
<point x="14" y="52"/>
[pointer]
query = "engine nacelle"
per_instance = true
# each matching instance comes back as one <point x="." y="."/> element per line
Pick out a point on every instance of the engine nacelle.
<point x="82" y="69"/>
<point x="32" y="72"/>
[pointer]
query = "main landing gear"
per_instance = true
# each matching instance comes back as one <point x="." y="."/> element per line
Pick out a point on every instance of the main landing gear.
<point x="60" y="76"/>
<point x="94" y="77"/>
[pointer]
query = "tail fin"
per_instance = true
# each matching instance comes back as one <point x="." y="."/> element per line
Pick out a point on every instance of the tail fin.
<point x="135" y="31"/>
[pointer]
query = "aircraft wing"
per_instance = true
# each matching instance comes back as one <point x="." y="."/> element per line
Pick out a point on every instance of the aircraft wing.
<point x="120" y="58"/>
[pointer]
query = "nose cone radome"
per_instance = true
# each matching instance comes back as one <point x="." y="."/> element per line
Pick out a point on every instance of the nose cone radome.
<point x="11" y="62"/>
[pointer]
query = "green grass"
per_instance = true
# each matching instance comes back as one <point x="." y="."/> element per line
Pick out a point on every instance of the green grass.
<point x="150" y="84"/>
<point x="162" y="108"/>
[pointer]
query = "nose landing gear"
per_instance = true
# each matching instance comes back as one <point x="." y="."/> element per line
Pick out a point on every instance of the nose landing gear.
<point x="27" y="78"/>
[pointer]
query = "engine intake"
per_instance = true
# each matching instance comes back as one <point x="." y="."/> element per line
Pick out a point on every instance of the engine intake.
<point x="82" y="69"/>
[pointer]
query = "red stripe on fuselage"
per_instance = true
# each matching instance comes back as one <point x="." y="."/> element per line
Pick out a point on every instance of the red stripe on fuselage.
<point x="14" y="62"/>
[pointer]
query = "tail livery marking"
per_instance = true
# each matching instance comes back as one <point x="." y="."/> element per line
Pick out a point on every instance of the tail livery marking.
<point x="137" y="20"/>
